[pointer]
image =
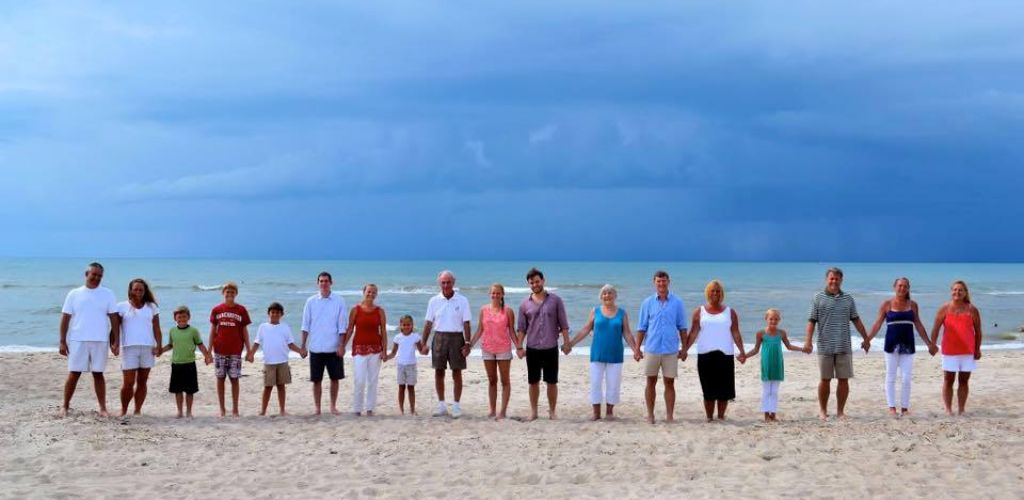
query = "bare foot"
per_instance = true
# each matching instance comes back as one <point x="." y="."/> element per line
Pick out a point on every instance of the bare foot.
<point x="721" y="417"/>
<point x="413" y="413"/>
<point x="334" y="411"/>
<point x="235" y="414"/>
<point x="905" y="412"/>
<point x="710" y="419"/>
<point x="369" y="413"/>
<point x="610" y="416"/>
<point x="670" y="419"/>
<point x="841" y="416"/>
<point x="594" y="418"/>
<point x="532" y="417"/>
<point x="501" y="416"/>
<point x="823" y="417"/>
<point x="949" y="412"/>
<point x="892" y="411"/>
<point x="491" y="415"/>
<point x="223" y="413"/>
<point x="357" y="414"/>
<point x="772" y="417"/>
<point x="650" y="419"/>
<point x="552" y="415"/>
<point x="123" y="413"/>
<point x="61" y="413"/>
<point x="262" y="413"/>
<point x="180" y="415"/>
<point x="316" y="412"/>
<point x="103" y="413"/>
<point x="188" y="415"/>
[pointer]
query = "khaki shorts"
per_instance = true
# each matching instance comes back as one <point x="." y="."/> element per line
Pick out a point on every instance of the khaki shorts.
<point x="407" y="374"/>
<point x="667" y="364"/>
<point x="278" y="374"/>
<point x="836" y="365"/>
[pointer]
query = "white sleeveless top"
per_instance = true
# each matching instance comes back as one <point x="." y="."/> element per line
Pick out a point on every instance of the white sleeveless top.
<point x="715" y="332"/>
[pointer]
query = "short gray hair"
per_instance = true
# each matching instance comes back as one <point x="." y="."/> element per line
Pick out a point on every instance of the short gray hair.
<point x="608" y="288"/>
<point x="442" y="273"/>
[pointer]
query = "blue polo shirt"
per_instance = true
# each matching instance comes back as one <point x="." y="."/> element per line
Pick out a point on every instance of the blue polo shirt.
<point x="661" y="322"/>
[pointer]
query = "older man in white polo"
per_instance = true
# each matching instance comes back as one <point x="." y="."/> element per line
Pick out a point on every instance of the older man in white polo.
<point x="89" y="326"/>
<point x="448" y="316"/>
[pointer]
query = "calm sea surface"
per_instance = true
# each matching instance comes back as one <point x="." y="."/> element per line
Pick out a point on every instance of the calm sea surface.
<point x="32" y="290"/>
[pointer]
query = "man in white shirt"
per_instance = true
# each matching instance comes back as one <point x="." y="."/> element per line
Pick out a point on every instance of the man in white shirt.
<point x="89" y="325"/>
<point x="324" y="320"/>
<point x="448" y="315"/>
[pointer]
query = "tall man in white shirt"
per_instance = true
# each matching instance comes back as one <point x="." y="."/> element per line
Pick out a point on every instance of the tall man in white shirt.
<point x="448" y="315"/>
<point x="89" y="325"/>
<point x="324" y="319"/>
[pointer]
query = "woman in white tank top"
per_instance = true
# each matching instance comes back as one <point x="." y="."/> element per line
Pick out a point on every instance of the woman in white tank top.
<point x="716" y="329"/>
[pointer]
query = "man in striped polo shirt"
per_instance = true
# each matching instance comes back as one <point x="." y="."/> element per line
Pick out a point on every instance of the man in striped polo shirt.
<point x="832" y="311"/>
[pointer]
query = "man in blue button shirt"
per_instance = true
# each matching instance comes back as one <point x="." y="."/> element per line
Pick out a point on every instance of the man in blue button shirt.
<point x="663" y="327"/>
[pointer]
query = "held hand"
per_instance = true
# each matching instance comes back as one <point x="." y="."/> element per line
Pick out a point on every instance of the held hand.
<point x="637" y="355"/>
<point x="115" y="349"/>
<point x="63" y="349"/>
<point x="742" y="358"/>
<point x="977" y="355"/>
<point x="933" y="349"/>
<point x="384" y="357"/>
<point x="304" y="353"/>
<point x="683" y="355"/>
<point x="865" y="345"/>
<point x="520" y="352"/>
<point x="566" y="349"/>
<point x="250" y="357"/>
<point x="465" y="351"/>
<point x="808" y="348"/>
<point x="157" y="351"/>
<point x="341" y="351"/>
<point x="208" y="359"/>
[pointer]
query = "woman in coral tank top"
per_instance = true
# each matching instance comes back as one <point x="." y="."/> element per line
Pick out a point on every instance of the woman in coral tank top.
<point x="960" y="323"/>
<point x="369" y="349"/>
<point x="495" y="328"/>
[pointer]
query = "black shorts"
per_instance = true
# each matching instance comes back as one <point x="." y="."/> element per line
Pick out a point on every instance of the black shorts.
<point x="184" y="378"/>
<point x="542" y="360"/>
<point x="318" y="361"/>
<point x="717" y="372"/>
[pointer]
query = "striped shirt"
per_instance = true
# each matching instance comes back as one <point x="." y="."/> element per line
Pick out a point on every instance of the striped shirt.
<point x="832" y="314"/>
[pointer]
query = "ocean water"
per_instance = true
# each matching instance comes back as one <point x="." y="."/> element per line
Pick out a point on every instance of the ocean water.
<point x="32" y="290"/>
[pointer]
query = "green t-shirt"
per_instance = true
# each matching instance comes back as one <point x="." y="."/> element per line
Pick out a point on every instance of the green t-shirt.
<point x="183" y="344"/>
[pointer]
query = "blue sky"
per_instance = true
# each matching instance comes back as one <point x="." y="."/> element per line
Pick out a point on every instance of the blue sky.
<point x="532" y="130"/>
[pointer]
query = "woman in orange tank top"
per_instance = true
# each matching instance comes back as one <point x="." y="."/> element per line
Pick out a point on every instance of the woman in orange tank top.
<point x="960" y="323"/>
<point x="369" y="349"/>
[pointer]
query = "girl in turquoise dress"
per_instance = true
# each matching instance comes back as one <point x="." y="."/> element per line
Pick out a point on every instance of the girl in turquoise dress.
<point x="772" y="367"/>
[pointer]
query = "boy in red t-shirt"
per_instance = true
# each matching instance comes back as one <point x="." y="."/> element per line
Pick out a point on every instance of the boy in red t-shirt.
<point x="229" y="333"/>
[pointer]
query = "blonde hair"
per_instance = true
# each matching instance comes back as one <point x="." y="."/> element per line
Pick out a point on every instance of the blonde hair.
<point x="711" y="284"/>
<point x="500" y="288"/>
<point x="967" y="291"/>
<point x="772" y="310"/>
<point x="903" y="278"/>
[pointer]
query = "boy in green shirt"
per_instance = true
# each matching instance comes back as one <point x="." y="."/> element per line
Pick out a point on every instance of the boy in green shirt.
<point x="183" y="342"/>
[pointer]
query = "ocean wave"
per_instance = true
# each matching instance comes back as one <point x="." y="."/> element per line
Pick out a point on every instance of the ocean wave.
<point x="206" y="288"/>
<point x="48" y="311"/>
<point x="1004" y="293"/>
<point x="26" y="348"/>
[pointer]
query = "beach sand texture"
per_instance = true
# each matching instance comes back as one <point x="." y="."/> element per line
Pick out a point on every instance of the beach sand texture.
<point x="868" y="455"/>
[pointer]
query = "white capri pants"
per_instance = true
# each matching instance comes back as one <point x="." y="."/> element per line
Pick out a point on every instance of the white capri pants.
<point x="605" y="382"/>
<point x="770" y="395"/>
<point x="905" y="364"/>
<point x="367" y="371"/>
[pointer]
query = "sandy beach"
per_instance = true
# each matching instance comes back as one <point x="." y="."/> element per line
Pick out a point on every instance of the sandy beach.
<point x="869" y="454"/>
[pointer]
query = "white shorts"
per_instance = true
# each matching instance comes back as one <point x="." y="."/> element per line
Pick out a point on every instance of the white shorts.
<point x="134" y="357"/>
<point x="407" y="374"/>
<point x="85" y="356"/>
<point x="959" y="363"/>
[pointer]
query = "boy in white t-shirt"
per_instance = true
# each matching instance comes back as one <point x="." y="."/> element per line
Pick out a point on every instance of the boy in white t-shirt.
<point x="276" y="339"/>
<point x="404" y="346"/>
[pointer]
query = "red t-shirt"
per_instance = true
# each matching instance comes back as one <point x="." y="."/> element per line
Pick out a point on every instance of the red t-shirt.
<point x="230" y="320"/>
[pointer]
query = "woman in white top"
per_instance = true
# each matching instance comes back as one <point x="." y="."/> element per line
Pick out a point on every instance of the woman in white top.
<point x="716" y="329"/>
<point x="140" y="342"/>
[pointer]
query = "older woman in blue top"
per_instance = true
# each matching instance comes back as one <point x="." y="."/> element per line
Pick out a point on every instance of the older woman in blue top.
<point x="610" y="325"/>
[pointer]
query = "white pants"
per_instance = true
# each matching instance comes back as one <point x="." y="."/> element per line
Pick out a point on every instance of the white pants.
<point x="770" y="395"/>
<point x="605" y="381"/>
<point x="367" y="371"/>
<point x="905" y="364"/>
<point x="87" y="356"/>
